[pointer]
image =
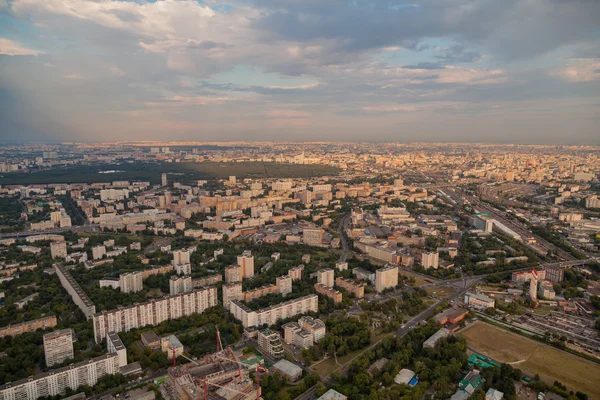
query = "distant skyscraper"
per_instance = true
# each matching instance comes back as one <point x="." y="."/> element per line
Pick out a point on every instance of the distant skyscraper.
<point x="164" y="179"/>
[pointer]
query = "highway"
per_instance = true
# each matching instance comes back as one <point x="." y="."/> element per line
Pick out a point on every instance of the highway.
<point x="76" y="228"/>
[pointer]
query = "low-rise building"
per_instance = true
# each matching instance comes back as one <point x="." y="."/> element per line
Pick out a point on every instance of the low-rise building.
<point x="478" y="301"/>
<point x="289" y="370"/>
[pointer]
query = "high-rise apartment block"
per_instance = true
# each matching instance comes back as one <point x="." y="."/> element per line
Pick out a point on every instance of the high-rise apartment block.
<point x="284" y="284"/>
<point x="181" y="257"/>
<point x="153" y="312"/>
<point x="234" y="273"/>
<point x="246" y="261"/>
<point x="180" y="284"/>
<point x="131" y="282"/>
<point x="58" y="249"/>
<point x="296" y="272"/>
<point x="326" y="277"/>
<point x="430" y="260"/>
<point x="58" y="346"/>
<point x="272" y="314"/>
<point x="386" y="277"/>
<point x="98" y="252"/>
<point x="231" y="291"/>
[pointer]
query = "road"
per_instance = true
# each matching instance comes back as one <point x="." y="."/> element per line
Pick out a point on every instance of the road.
<point x="345" y="249"/>
<point x="77" y="228"/>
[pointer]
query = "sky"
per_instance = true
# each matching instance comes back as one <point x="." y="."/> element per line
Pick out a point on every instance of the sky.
<point x="498" y="71"/>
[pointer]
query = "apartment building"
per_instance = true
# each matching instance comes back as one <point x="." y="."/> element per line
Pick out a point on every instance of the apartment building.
<point x="232" y="291"/>
<point x="58" y="346"/>
<point x="56" y="382"/>
<point x="386" y="277"/>
<point x="356" y="288"/>
<point x="180" y="284"/>
<point x="29" y="326"/>
<point x="98" y="252"/>
<point x="58" y="249"/>
<point x="326" y="277"/>
<point x="153" y="312"/>
<point x="296" y="272"/>
<point x="284" y="284"/>
<point x="330" y="292"/>
<point x="270" y="342"/>
<point x="181" y="257"/>
<point x="553" y="274"/>
<point x="246" y="261"/>
<point x="234" y="273"/>
<point x="207" y="280"/>
<point x="430" y="260"/>
<point x="131" y="282"/>
<point x="272" y="314"/>
<point x="522" y="277"/>
<point x="115" y="345"/>
<point x="259" y="292"/>
<point x="77" y="294"/>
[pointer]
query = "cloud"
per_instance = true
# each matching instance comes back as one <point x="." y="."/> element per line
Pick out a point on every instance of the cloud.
<point x="579" y="70"/>
<point x="11" y="48"/>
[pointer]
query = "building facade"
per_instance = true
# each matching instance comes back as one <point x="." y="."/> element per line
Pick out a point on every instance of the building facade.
<point x="386" y="277"/>
<point x="58" y="346"/>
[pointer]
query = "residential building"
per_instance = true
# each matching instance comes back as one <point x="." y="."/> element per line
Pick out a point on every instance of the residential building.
<point x="546" y="290"/>
<point x="553" y="274"/>
<point x="58" y="249"/>
<point x="207" y="280"/>
<point x="296" y="272"/>
<point x="326" y="277"/>
<point x="272" y="314"/>
<point x="430" y="260"/>
<point x="270" y="342"/>
<point x="330" y="292"/>
<point x="386" y="277"/>
<point x="363" y="274"/>
<point x="131" y="282"/>
<point x="315" y="327"/>
<point x="115" y="345"/>
<point x="433" y="339"/>
<point x="183" y="269"/>
<point x="231" y="291"/>
<point x="181" y="257"/>
<point x="77" y="294"/>
<point x="180" y="284"/>
<point x="284" y="284"/>
<point x="58" y="346"/>
<point x="533" y="285"/>
<point x="246" y="261"/>
<point x="98" y="252"/>
<point x="234" y="273"/>
<point x="341" y="265"/>
<point x="153" y="312"/>
<point x="29" y="326"/>
<point x="56" y="382"/>
<point x="356" y="288"/>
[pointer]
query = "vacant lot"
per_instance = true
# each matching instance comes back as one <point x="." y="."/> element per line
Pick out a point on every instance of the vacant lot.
<point x="534" y="357"/>
<point x="419" y="280"/>
<point x="151" y="172"/>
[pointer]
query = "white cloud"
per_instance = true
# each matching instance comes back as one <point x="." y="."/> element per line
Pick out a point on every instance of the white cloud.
<point x="579" y="70"/>
<point x="12" y="48"/>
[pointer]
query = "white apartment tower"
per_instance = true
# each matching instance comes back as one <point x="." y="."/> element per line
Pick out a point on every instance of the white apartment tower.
<point x="58" y="346"/>
<point x="386" y="277"/>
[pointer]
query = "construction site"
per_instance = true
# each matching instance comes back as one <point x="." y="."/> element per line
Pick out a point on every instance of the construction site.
<point x="216" y="376"/>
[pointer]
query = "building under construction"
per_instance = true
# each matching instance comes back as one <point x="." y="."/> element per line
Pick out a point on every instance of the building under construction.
<point x="217" y="376"/>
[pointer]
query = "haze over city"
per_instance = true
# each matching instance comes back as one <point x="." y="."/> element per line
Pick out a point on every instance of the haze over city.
<point x="460" y="70"/>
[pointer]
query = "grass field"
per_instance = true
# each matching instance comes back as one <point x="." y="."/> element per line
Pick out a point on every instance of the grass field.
<point x="419" y="280"/>
<point x="151" y="172"/>
<point x="534" y="357"/>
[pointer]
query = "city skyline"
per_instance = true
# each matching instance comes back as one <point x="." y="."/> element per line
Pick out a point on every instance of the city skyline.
<point x="525" y="72"/>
